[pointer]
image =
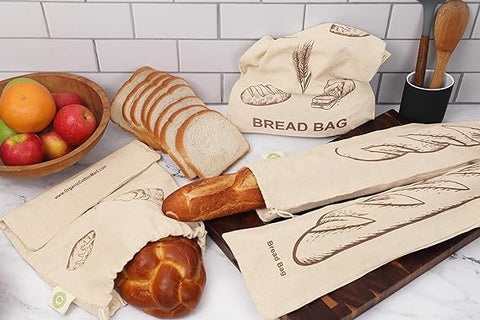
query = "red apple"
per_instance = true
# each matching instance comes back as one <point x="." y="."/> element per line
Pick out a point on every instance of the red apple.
<point x="74" y="123"/>
<point x="21" y="149"/>
<point x="63" y="99"/>
<point x="53" y="145"/>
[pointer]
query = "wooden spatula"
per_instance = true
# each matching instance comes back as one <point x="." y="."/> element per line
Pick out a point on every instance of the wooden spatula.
<point x="428" y="15"/>
<point x="450" y="23"/>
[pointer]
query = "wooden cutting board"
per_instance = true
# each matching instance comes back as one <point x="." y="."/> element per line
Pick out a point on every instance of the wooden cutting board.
<point x="351" y="300"/>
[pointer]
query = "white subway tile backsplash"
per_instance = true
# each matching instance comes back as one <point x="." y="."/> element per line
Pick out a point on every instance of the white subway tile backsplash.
<point x="251" y="21"/>
<point x="465" y="58"/>
<point x="404" y="55"/>
<point x="205" y="85"/>
<point x="22" y="19"/>
<point x="89" y="20"/>
<point x="47" y="55"/>
<point x="372" y="18"/>
<point x="203" y="40"/>
<point x="128" y="55"/>
<point x="476" y="29"/>
<point x="175" y="20"/>
<point x="469" y="88"/>
<point x="391" y="88"/>
<point x="229" y="80"/>
<point x="406" y="21"/>
<point x="399" y="28"/>
<point x="211" y="55"/>
<point x="110" y="82"/>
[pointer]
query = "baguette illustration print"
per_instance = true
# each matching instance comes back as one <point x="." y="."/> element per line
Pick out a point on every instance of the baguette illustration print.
<point x="301" y="58"/>
<point x="364" y="220"/>
<point x="347" y="31"/>
<point x="81" y="250"/>
<point x="334" y="91"/>
<point x="428" y="140"/>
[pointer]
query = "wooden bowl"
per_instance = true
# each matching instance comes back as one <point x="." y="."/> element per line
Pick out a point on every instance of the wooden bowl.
<point x="93" y="98"/>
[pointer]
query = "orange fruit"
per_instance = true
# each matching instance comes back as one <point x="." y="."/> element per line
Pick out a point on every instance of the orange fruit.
<point x="26" y="106"/>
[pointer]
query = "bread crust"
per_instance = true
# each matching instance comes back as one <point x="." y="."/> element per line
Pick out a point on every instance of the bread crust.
<point x="215" y="197"/>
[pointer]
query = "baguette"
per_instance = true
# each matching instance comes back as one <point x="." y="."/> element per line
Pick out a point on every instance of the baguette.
<point x="215" y="197"/>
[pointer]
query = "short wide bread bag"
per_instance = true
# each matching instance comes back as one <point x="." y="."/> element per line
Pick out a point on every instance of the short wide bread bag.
<point x="314" y="83"/>
<point x="82" y="232"/>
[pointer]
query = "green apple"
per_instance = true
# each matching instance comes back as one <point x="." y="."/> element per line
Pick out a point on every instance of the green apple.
<point x="5" y="131"/>
<point x="18" y="80"/>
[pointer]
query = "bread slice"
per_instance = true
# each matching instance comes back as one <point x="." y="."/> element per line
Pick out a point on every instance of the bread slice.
<point x="157" y="93"/>
<point x="172" y="95"/>
<point x="122" y="93"/>
<point x="171" y="109"/>
<point x="169" y="134"/>
<point x="210" y="143"/>
<point x="138" y="103"/>
<point x="135" y="92"/>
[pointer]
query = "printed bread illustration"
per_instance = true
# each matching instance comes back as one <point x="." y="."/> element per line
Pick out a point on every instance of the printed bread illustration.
<point x="164" y="279"/>
<point x="334" y="91"/>
<point x="263" y="95"/>
<point x="443" y="145"/>
<point x="81" y="250"/>
<point x="216" y="197"/>
<point x="375" y="216"/>
<point x="149" y="101"/>
<point x="347" y="31"/>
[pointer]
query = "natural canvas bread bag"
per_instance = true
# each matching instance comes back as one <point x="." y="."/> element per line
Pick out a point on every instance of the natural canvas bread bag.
<point x="363" y="165"/>
<point x="82" y="232"/>
<point x="291" y="263"/>
<point x="314" y="83"/>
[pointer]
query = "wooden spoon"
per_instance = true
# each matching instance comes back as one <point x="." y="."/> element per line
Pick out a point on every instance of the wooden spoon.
<point x="450" y="23"/>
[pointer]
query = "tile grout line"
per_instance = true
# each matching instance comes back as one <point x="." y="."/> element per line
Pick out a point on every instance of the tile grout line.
<point x="95" y="53"/>
<point x="457" y="90"/>
<point x="476" y="22"/>
<point x="389" y="20"/>
<point x="132" y="21"/>
<point x="45" y="19"/>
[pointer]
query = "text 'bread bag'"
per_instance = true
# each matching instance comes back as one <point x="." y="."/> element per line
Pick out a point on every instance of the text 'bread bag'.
<point x="363" y="165"/>
<point x="293" y="262"/>
<point x="82" y="232"/>
<point x="314" y="83"/>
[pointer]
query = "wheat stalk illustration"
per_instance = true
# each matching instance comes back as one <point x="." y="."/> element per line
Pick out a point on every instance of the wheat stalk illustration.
<point x="300" y="58"/>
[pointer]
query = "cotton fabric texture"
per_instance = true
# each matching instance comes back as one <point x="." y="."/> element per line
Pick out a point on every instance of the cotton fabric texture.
<point x="363" y="165"/>
<point x="288" y="264"/>
<point x="81" y="233"/>
<point x="314" y="83"/>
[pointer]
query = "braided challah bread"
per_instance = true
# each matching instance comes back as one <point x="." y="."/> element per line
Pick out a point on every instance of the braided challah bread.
<point x="165" y="279"/>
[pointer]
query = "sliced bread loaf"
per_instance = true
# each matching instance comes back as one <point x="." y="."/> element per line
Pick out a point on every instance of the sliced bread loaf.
<point x="157" y="93"/>
<point x="122" y="93"/>
<point x="171" y="109"/>
<point x="172" y="95"/>
<point x="210" y="143"/>
<point x="169" y="133"/>
<point x="135" y="92"/>
<point x="138" y="103"/>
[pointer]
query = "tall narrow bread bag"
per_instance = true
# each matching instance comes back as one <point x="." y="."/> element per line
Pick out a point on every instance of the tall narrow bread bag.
<point x="88" y="228"/>
<point x="314" y="83"/>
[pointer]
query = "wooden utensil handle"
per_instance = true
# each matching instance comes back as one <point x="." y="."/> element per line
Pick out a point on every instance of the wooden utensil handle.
<point x="215" y="197"/>
<point x="419" y="76"/>
<point x="440" y="65"/>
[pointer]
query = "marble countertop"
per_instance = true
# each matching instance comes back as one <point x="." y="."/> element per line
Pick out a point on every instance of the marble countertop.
<point x="448" y="291"/>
